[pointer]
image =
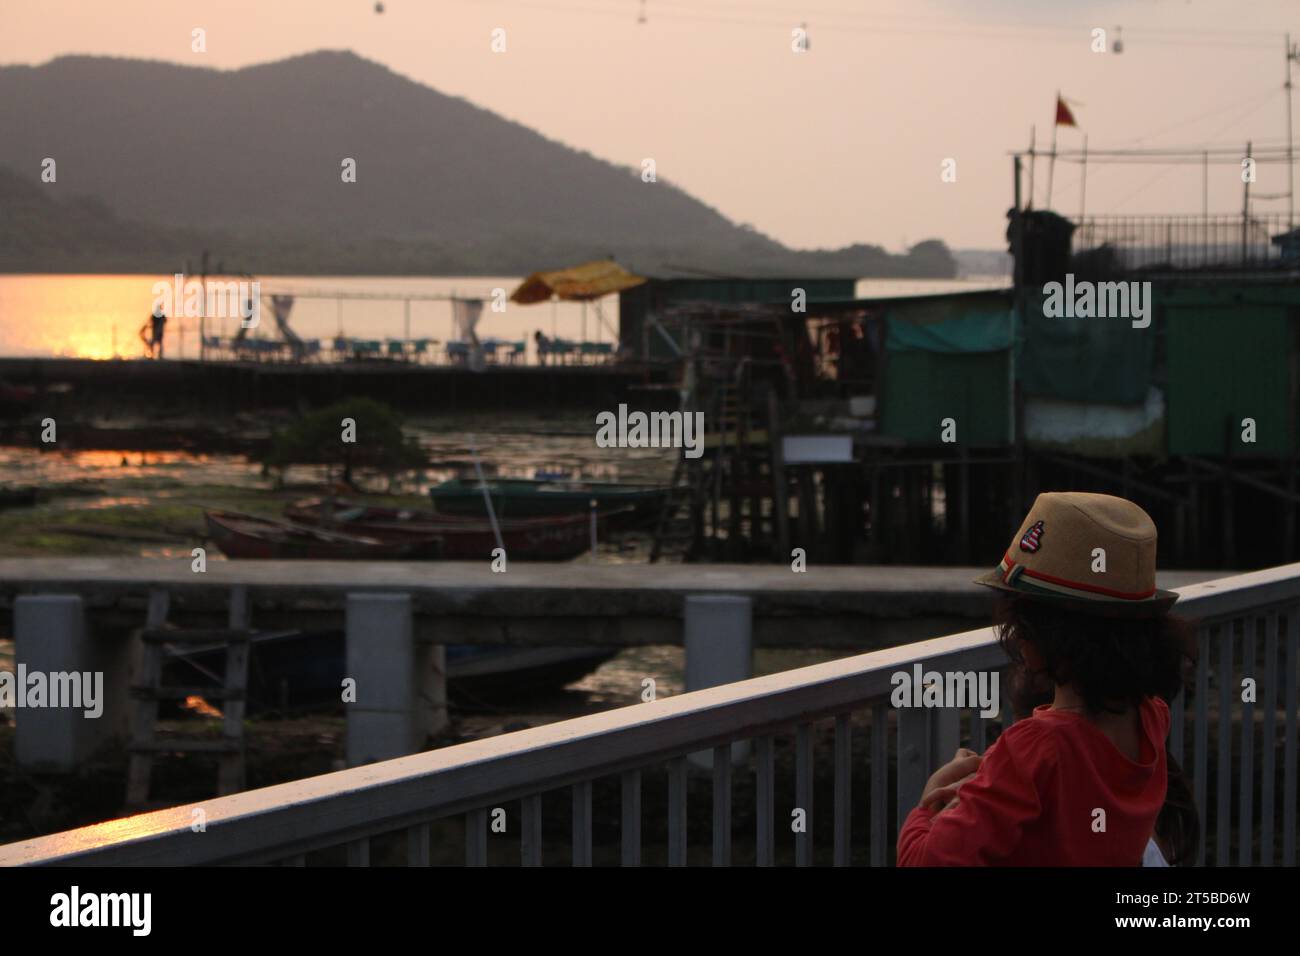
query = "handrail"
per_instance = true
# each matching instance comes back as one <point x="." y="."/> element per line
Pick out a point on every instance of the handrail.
<point x="336" y="808"/>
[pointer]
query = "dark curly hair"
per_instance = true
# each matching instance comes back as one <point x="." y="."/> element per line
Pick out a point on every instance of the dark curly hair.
<point x="1112" y="662"/>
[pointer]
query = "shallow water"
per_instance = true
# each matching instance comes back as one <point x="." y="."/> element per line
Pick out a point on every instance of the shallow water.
<point x="513" y="445"/>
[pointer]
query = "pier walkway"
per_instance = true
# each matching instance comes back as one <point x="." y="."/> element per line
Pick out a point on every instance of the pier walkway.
<point x="1241" y="756"/>
<point x="224" y="385"/>
<point x="571" y="603"/>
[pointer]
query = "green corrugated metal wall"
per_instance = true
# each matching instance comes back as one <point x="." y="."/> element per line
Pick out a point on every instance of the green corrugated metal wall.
<point x="923" y="388"/>
<point x="1225" y="363"/>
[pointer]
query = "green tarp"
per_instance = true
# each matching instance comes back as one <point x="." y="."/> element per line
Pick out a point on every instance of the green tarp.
<point x="1101" y="361"/>
<point x="974" y="333"/>
<point x="957" y="368"/>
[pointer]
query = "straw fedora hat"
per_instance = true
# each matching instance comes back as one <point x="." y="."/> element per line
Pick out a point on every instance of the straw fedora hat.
<point x="1092" y="553"/>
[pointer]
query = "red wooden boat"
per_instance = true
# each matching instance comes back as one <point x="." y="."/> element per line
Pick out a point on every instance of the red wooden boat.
<point x="252" y="536"/>
<point x="463" y="537"/>
<point x="16" y="396"/>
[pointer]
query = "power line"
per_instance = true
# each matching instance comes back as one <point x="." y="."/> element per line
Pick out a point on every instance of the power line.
<point x="965" y="29"/>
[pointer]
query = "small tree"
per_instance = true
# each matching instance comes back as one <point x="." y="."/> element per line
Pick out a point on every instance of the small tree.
<point x="319" y="438"/>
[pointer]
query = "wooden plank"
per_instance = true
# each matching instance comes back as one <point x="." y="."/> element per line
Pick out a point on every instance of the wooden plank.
<point x="197" y="745"/>
<point x="178" y="692"/>
<point x="204" y="635"/>
<point x="145" y="712"/>
<point x="230" y="773"/>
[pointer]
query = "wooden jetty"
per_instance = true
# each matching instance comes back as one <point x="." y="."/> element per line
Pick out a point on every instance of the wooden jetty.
<point x="235" y="385"/>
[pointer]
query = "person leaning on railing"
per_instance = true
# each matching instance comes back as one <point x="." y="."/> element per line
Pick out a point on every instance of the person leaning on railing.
<point x="1085" y="779"/>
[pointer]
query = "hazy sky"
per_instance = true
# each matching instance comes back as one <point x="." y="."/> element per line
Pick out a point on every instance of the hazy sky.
<point x="840" y="144"/>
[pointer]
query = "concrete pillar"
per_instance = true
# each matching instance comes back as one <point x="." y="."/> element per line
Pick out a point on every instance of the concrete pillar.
<point x="719" y="650"/>
<point x="51" y="639"/>
<point x="387" y="719"/>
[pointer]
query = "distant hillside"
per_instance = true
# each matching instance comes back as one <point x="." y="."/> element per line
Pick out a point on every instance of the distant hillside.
<point x="983" y="262"/>
<point x="247" y="163"/>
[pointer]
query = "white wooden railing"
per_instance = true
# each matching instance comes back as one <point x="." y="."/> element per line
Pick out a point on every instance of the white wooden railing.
<point x="1249" y="628"/>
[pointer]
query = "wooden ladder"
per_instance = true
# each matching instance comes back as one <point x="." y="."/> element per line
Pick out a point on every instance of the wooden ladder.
<point x="149" y="690"/>
<point x="670" y="529"/>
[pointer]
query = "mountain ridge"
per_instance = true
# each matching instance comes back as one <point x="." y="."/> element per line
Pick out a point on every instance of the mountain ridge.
<point x="250" y="159"/>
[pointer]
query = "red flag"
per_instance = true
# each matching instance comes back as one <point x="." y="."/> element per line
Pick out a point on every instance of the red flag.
<point x="1063" y="115"/>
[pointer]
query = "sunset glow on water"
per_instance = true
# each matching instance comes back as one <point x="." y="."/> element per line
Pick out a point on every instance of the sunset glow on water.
<point x="100" y="316"/>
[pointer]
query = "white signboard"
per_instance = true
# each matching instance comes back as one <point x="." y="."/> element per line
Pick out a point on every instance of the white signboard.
<point x="817" y="449"/>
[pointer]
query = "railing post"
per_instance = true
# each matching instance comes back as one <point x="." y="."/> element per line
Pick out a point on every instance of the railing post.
<point x="765" y="804"/>
<point x="913" y="759"/>
<point x="879" y="782"/>
<point x="385" y="719"/>
<point x="945" y="737"/>
<point x="719" y="650"/>
<point x="630" y="835"/>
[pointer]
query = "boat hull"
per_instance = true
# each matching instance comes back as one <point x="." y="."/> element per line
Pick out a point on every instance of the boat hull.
<point x="460" y="537"/>
<point x="251" y="537"/>
<point x="518" y="498"/>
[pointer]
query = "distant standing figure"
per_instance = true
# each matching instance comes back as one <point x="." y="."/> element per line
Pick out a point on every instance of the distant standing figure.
<point x="151" y="333"/>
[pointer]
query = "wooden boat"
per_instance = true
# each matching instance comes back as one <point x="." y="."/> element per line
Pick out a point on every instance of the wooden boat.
<point x="462" y="537"/>
<point x="524" y="498"/>
<point x="16" y="396"/>
<point x="252" y="536"/>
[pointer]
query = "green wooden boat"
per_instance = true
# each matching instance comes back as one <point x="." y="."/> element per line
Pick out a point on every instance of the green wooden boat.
<point x="525" y="498"/>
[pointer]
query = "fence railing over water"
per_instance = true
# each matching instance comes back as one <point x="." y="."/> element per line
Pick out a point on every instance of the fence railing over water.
<point x="1239" y="749"/>
<point x="1184" y="242"/>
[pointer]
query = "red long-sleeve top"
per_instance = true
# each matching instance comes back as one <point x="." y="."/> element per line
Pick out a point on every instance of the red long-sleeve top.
<point x="1033" y="801"/>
